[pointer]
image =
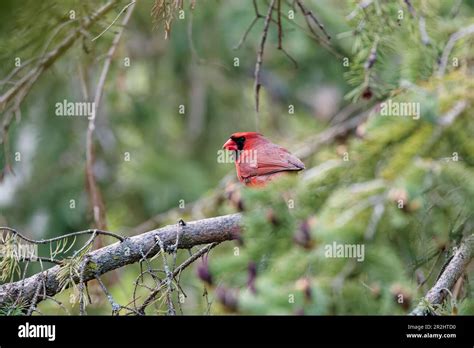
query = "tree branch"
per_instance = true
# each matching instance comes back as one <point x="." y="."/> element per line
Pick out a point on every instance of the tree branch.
<point x="261" y="49"/>
<point x="54" y="54"/>
<point x="257" y="17"/>
<point x="448" y="278"/>
<point x="97" y="203"/>
<point x="310" y="15"/>
<point x="176" y="273"/>
<point x="11" y="100"/>
<point x="450" y="45"/>
<point x="129" y="251"/>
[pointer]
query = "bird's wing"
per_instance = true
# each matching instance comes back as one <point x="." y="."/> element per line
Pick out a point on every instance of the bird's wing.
<point x="272" y="158"/>
<point x="266" y="158"/>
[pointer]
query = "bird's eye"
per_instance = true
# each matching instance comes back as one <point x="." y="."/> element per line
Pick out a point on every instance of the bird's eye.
<point x="239" y="142"/>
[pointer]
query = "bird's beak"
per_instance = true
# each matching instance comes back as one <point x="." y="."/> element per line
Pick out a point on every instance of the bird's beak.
<point x="230" y="145"/>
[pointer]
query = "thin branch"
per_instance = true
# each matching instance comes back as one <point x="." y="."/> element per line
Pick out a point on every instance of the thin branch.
<point x="430" y="272"/>
<point x="51" y="57"/>
<point x="115" y="20"/>
<point x="36" y="295"/>
<point x="449" y="117"/>
<point x="194" y="257"/>
<point x="169" y="279"/>
<point x="176" y="273"/>
<point x="455" y="9"/>
<point x="43" y="259"/>
<point x="320" y="40"/>
<point x="111" y="257"/>
<point x="280" y="36"/>
<point x="311" y="145"/>
<point x="448" y="278"/>
<point x="360" y="6"/>
<point x="11" y="100"/>
<point x="46" y="241"/>
<point x="82" y="306"/>
<point x="377" y="214"/>
<point x="98" y="208"/>
<point x="59" y="303"/>
<point x="411" y="9"/>
<point x="372" y="58"/>
<point x="115" y="306"/>
<point x="255" y="20"/>
<point x="450" y="45"/>
<point x="445" y="120"/>
<point x="310" y="15"/>
<point x="260" y="52"/>
<point x="17" y="70"/>
<point x="425" y="38"/>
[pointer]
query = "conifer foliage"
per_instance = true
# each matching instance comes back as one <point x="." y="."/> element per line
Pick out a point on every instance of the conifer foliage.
<point x="382" y="210"/>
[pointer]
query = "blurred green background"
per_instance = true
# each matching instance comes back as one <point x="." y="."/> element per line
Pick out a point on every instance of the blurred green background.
<point x="173" y="156"/>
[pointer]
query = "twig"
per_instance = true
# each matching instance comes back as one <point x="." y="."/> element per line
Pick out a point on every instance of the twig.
<point x="43" y="259"/>
<point x="280" y="35"/>
<point x="371" y="59"/>
<point x="115" y="306"/>
<point x="84" y="247"/>
<point x="430" y="272"/>
<point x="51" y="57"/>
<point x="320" y="40"/>
<point x="115" y="20"/>
<point x="311" y="145"/>
<point x="449" y="117"/>
<point x="46" y="241"/>
<point x="425" y="39"/>
<point x="194" y="257"/>
<point x="95" y="194"/>
<point x="360" y="6"/>
<point x="310" y="15"/>
<point x="208" y="303"/>
<point x="449" y="46"/>
<point x="455" y="9"/>
<point x="423" y="33"/>
<point x="145" y="259"/>
<point x="20" y="89"/>
<point x="411" y="9"/>
<point x="117" y="255"/>
<point x="176" y="273"/>
<point x="260" y="51"/>
<point x="448" y="278"/>
<point x="17" y="70"/>
<point x="59" y="303"/>
<point x="169" y="279"/>
<point x="377" y="213"/>
<point x="257" y="17"/>
<point x="35" y="296"/>
<point x="82" y="307"/>
<point x="445" y="121"/>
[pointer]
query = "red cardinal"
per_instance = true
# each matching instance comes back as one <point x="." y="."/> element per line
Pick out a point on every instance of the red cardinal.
<point x="259" y="161"/>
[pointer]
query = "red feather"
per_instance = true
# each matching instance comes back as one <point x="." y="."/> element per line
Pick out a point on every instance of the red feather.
<point x="258" y="160"/>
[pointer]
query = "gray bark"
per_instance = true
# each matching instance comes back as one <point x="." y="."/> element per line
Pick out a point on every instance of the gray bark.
<point x="452" y="272"/>
<point x="131" y="250"/>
